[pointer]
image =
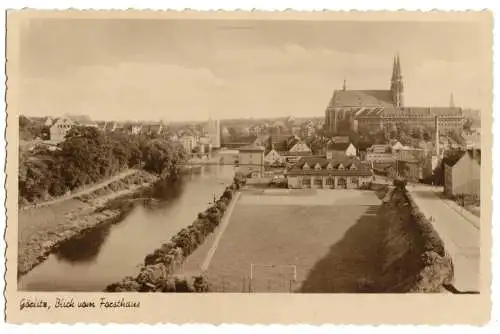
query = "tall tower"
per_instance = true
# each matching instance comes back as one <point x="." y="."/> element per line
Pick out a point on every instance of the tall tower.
<point x="397" y="87"/>
<point x="344" y="86"/>
<point x="452" y="101"/>
<point x="436" y="125"/>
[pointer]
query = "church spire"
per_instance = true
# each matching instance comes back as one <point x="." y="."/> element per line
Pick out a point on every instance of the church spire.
<point x="394" y="69"/>
<point x="398" y="67"/>
<point x="397" y="87"/>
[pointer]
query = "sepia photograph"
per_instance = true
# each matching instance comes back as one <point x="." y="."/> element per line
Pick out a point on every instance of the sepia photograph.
<point x="254" y="156"/>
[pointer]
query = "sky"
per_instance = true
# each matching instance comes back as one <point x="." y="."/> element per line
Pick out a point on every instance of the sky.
<point x="176" y="70"/>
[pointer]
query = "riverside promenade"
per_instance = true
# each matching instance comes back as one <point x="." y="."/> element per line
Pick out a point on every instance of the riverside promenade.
<point x="460" y="233"/>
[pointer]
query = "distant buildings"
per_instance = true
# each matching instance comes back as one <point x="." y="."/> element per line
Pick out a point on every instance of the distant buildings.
<point x="189" y="142"/>
<point x="319" y="172"/>
<point x="289" y="148"/>
<point x="462" y="173"/>
<point x="376" y="110"/>
<point x="382" y="153"/>
<point x="336" y="149"/>
<point x="60" y="128"/>
<point x="251" y="160"/>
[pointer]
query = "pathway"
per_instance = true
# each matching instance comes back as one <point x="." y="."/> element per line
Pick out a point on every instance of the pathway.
<point x="222" y="228"/>
<point x="460" y="236"/>
<point x="83" y="191"/>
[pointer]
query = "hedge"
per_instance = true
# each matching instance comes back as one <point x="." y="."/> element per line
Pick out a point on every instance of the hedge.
<point x="158" y="272"/>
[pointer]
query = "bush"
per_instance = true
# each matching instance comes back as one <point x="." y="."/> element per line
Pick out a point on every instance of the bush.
<point x="400" y="183"/>
<point x="159" y="265"/>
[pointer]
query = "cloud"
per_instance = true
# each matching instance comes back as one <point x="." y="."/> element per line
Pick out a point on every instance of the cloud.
<point x="128" y="90"/>
<point x="236" y="82"/>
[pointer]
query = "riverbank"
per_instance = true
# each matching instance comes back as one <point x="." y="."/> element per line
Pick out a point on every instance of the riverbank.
<point x="42" y="229"/>
<point x="163" y="269"/>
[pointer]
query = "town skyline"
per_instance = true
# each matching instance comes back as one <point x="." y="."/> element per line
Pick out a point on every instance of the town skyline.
<point x="156" y="69"/>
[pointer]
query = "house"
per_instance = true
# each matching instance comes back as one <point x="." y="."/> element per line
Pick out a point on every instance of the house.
<point x="340" y="149"/>
<point x="281" y="142"/>
<point x="110" y="126"/>
<point x="396" y="145"/>
<point x="132" y="129"/>
<point x="228" y="157"/>
<point x="49" y="121"/>
<point x="251" y="160"/>
<point x="188" y="142"/>
<point x="60" y="128"/>
<point x="272" y="157"/>
<point x="307" y="129"/>
<point x="462" y="173"/>
<point x="379" y="153"/>
<point x="320" y="172"/>
<point x="261" y="140"/>
<point x="153" y="129"/>
<point x="290" y="148"/>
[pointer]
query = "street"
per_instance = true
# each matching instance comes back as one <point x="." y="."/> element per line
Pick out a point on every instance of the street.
<point x="460" y="236"/>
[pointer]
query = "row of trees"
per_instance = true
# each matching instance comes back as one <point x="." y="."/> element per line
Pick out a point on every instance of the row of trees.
<point x="160" y="267"/>
<point x="87" y="155"/>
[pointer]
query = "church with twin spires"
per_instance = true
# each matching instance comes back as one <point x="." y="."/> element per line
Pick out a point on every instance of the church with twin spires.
<point x="376" y="110"/>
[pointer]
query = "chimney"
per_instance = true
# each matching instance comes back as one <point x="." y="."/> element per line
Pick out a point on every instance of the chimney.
<point x="436" y="124"/>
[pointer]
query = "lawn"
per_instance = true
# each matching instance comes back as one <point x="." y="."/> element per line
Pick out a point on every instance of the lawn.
<point x="330" y="238"/>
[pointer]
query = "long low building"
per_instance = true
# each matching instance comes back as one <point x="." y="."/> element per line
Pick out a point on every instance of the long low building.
<point x="319" y="172"/>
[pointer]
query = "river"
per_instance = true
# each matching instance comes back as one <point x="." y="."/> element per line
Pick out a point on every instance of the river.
<point x="110" y="252"/>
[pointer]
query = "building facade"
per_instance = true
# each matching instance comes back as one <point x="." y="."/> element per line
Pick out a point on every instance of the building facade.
<point x="341" y="149"/>
<point x="318" y="172"/>
<point x="188" y="142"/>
<point x="380" y="154"/>
<point x="60" y="128"/>
<point x="273" y="157"/>
<point x="462" y="173"/>
<point x="377" y="110"/>
<point x="251" y="160"/>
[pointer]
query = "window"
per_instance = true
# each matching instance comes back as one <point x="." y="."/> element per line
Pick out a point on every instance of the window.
<point x="354" y="180"/>
<point x="306" y="182"/>
<point x="329" y="166"/>
<point x="341" y="182"/>
<point x="318" y="166"/>
<point x="306" y="166"/>
<point x="329" y="181"/>
<point x="341" y="167"/>
<point x="318" y="181"/>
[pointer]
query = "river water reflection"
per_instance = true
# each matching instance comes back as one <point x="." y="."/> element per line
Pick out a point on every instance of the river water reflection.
<point x="108" y="253"/>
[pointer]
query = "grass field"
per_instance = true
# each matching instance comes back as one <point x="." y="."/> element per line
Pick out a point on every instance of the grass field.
<point x="330" y="238"/>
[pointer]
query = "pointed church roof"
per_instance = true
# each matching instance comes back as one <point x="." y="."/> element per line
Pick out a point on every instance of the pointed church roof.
<point x="398" y="66"/>
<point x="362" y="98"/>
<point x="394" y="68"/>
